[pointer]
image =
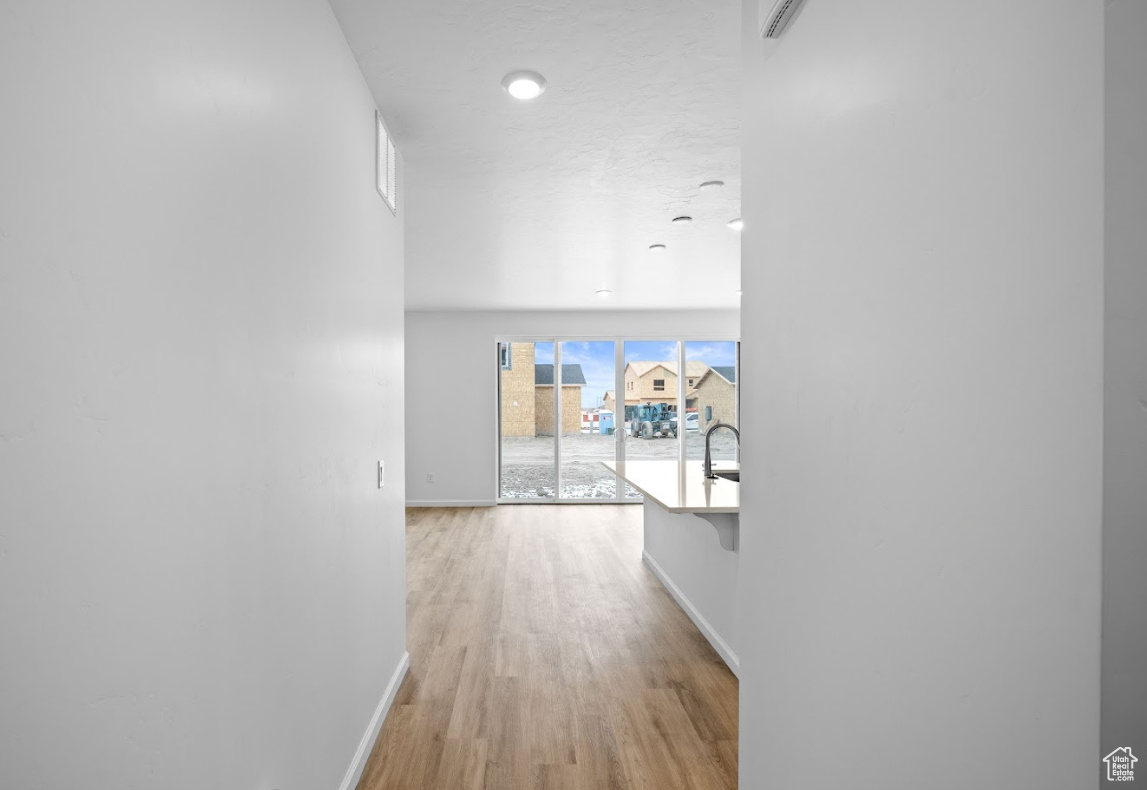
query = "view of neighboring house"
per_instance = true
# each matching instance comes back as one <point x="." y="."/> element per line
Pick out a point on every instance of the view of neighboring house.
<point x="710" y="391"/>
<point x="528" y="401"/>
<point x="528" y="394"/>
<point x="572" y="381"/>
<point x="656" y="382"/>
<point x="714" y="397"/>
<point x="518" y="406"/>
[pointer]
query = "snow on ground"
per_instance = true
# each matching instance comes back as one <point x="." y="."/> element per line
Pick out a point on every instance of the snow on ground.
<point x="528" y="462"/>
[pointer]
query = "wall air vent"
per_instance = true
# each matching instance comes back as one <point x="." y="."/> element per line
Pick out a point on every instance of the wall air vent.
<point x="776" y="21"/>
<point x="386" y="165"/>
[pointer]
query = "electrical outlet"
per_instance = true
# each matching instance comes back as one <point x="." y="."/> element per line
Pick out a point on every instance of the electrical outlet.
<point x="381" y="473"/>
<point x="429" y="477"/>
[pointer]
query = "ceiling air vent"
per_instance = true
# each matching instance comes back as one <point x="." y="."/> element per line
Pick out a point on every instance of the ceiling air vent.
<point x="386" y="165"/>
<point x="775" y="22"/>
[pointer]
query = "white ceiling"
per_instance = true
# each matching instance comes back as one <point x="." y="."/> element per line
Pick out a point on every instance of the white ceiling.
<point x="535" y="205"/>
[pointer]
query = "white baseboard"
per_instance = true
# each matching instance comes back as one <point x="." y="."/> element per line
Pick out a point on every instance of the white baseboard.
<point x="354" y="773"/>
<point x="451" y="503"/>
<point x="719" y="644"/>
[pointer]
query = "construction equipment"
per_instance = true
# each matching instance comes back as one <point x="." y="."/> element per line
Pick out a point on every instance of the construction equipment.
<point x="653" y="419"/>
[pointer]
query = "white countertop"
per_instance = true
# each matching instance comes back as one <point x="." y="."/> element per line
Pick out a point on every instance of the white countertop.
<point x="682" y="488"/>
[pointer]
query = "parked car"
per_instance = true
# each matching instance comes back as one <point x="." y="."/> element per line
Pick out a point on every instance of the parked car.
<point x="692" y="421"/>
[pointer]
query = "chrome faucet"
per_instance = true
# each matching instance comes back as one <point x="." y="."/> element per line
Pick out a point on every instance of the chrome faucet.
<point x="708" y="455"/>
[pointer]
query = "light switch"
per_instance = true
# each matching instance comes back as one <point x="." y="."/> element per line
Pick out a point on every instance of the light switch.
<point x="381" y="473"/>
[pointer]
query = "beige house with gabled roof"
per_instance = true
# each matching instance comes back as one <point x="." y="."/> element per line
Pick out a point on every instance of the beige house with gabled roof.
<point x="656" y="382"/>
<point x="714" y="397"/>
<point x="527" y="393"/>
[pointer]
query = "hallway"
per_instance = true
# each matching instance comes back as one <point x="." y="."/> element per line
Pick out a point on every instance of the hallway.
<point x="543" y="654"/>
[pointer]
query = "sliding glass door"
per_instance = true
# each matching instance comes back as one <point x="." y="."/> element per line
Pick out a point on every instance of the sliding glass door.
<point x="567" y="406"/>
<point x="650" y="402"/>
<point x="528" y="448"/>
<point x="711" y="398"/>
<point x="588" y="423"/>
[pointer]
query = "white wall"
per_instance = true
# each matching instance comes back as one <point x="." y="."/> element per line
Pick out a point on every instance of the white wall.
<point x="201" y="345"/>
<point x="685" y="552"/>
<point x="1125" y="434"/>
<point x="922" y="343"/>
<point x="452" y="381"/>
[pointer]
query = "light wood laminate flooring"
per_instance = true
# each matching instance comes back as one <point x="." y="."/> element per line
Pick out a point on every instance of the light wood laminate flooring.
<point x="544" y="654"/>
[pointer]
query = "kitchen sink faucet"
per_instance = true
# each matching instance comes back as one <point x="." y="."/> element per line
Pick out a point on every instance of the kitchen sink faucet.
<point x="708" y="455"/>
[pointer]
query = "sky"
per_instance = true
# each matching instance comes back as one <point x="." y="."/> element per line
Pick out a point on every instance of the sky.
<point x="596" y="359"/>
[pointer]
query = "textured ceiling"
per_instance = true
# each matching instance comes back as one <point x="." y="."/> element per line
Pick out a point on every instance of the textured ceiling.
<point x="536" y="205"/>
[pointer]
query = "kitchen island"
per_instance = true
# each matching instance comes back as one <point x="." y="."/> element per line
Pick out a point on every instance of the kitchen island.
<point x="691" y="532"/>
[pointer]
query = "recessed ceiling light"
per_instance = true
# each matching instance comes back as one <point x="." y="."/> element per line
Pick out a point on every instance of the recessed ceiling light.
<point x="603" y="292"/>
<point x="657" y="248"/>
<point x="524" y="85"/>
<point x="712" y="184"/>
<point x="681" y="220"/>
<point x="736" y="224"/>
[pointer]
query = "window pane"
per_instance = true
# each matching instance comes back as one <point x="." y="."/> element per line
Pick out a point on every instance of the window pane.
<point x="528" y="469"/>
<point x="588" y="399"/>
<point x="650" y="402"/>
<point x="711" y="399"/>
